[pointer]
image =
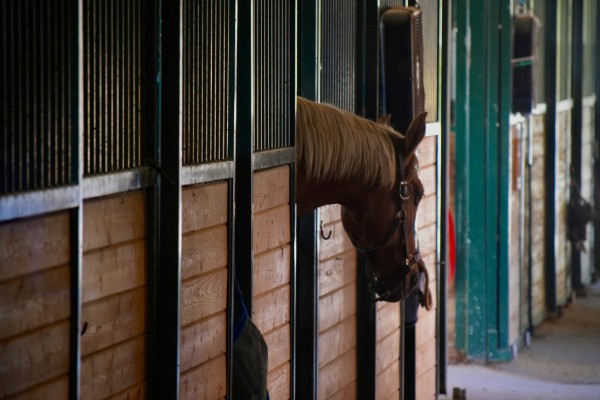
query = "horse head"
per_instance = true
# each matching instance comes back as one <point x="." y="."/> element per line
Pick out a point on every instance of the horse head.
<point x="382" y="225"/>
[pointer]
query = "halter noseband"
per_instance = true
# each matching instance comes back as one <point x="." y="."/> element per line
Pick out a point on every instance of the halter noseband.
<point x="393" y="289"/>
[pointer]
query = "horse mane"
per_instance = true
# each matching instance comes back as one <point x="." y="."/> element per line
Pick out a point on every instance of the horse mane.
<point x="336" y="146"/>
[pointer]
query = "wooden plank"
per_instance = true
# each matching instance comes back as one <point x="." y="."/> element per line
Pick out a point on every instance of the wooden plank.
<point x="113" y="320"/>
<point x="428" y="174"/>
<point x="388" y="319"/>
<point x="388" y="351"/>
<point x="330" y="213"/>
<point x="207" y="382"/>
<point x="33" y="301"/>
<point x="202" y="341"/>
<point x="271" y="269"/>
<point x="272" y="309"/>
<point x="278" y="382"/>
<point x="204" y="205"/>
<point x="427" y="236"/>
<point x="113" y="370"/>
<point x="279" y="345"/>
<point x="337" y="340"/>
<point x="204" y="251"/>
<point x="426" y="384"/>
<point x="425" y="356"/>
<point x="271" y="188"/>
<point x="337" y="306"/>
<point x="203" y="296"/>
<point x="336" y="375"/>
<point x="337" y="272"/>
<point x="114" y="219"/>
<point x="113" y="270"/>
<point x="388" y="381"/>
<point x="348" y="392"/>
<point x="427" y="213"/>
<point x="427" y="151"/>
<point x="52" y="390"/>
<point x="33" y="245"/>
<point x="425" y="329"/>
<point x="423" y="313"/>
<point x="338" y="242"/>
<point x="271" y="229"/>
<point x="137" y="392"/>
<point x="35" y="358"/>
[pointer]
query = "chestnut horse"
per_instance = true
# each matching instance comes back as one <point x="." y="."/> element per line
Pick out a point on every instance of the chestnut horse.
<point x="371" y="171"/>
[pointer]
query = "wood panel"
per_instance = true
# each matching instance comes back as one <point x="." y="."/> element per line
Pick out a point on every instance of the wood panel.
<point x="337" y="306"/>
<point x="34" y="358"/>
<point x="204" y="274"/>
<point x="389" y="351"/>
<point x="114" y="294"/>
<point x="33" y="245"/>
<point x="337" y="340"/>
<point x="337" y="272"/>
<point x="34" y="307"/>
<point x="337" y="375"/>
<point x="272" y="271"/>
<point x="388" y="382"/>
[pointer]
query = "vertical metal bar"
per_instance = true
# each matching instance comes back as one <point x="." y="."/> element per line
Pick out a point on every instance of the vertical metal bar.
<point x="550" y="155"/>
<point x="75" y="12"/>
<point x="168" y="274"/>
<point x="576" y="126"/>
<point x="596" y="61"/>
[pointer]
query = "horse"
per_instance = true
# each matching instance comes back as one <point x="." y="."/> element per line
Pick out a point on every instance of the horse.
<point x="371" y="171"/>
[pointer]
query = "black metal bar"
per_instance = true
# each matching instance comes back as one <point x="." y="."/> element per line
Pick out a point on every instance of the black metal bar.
<point x="550" y="155"/>
<point x="168" y="274"/>
<point x="597" y="144"/>
<point x="576" y="125"/>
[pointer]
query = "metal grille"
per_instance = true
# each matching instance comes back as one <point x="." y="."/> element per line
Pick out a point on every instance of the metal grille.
<point x="338" y="53"/>
<point x="35" y="71"/>
<point x="206" y="81"/>
<point x="429" y="16"/>
<point x="112" y="64"/>
<point x="273" y="73"/>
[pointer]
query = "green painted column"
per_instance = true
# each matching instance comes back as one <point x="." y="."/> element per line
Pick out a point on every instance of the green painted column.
<point x="482" y="146"/>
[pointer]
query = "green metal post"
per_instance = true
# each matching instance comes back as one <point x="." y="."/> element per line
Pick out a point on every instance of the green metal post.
<point x="482" y="138"/>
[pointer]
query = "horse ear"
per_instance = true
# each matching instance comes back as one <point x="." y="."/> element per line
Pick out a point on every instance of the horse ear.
<point x="415" y="133"/>
<point x="385" y="120"/>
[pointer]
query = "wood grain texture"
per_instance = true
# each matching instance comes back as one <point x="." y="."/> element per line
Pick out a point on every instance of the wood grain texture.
<point x="348" y="392"/>
<point x="112" y="220"/>
<point x="337" y="306"/>
<point x="204" y="340"/>
<point x="426" y="385"/>
<point x="388" y="381"/>
<point x="338" y="242"/>
<point x="427" y="213"/>
<point x="271" y="229"/>
<point x="113" y="320"/>
<point x="34" y="358"/>
<point x="33" y="245"/>
<point x="113" y="370"/>
<point x="55" y="389"/>
<point x="428" y="175"/>
<point x="272" y="309"/>
<point x="337" y="272"/>
<point x="427" y="151"/>
<point x="32" y="301"/>
<point x="330" y="213"/>
<point x="114" y="269"/>
<point x="425" y="329"/>
<point x="271" y="269"/>
<point x="388" y="351"/>
<point x="204" y="205"/>
<point x="278" y="382"/>
<point x="203" y="296"/>
<point x="336" y="375"/>
<point x="279" y="345"/>
<point x="207" y="382"/>
<point x="337" y="340"/>
<point x="425" y="357"/>
<point x="203" y="251"/>
<point x="271" y="188"/>
<point x="137" y="392"/>
<point x="388" y="319"/>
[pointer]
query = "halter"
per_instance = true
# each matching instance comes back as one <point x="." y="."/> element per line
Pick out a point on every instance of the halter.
<point x="393" y="289"/>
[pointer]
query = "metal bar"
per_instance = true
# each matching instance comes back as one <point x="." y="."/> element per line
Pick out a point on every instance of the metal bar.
<point x="194" y="174"/>
<point x="550" y="156"/>
<point x="273" y="158"/>
<point x="596" y="171"/>
<point x="168" y="274"/>
<point x="576" y="126"/>
<point x="117" y="182"/>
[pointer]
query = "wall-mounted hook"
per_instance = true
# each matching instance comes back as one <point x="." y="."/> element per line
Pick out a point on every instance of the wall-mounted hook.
<point x="322" y="234"/>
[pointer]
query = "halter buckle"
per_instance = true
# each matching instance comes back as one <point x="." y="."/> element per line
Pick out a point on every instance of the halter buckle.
<point x="403" y="192"/>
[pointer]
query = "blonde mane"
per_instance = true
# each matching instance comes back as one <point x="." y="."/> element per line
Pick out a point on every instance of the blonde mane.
<point x="337" y="146"/>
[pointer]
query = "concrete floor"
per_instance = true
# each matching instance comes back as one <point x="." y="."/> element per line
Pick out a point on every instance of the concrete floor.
<point x="562" y="363"/>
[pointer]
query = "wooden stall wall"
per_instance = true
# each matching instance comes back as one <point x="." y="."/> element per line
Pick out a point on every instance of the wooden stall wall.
<point x="114" y="297"/>
<point x="538" y="212"/>
<point x="204" y="272"/>
<point x="563" y="181"/>
<point x="35" y="307"/>
<point x="337" y="343"/>
<point x="388" y="351"/>
<point x="271" y="310"/>
<point x="427" y="227"/>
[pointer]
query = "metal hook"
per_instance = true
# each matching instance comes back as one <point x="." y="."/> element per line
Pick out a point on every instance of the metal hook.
<point x="322" y="235"/>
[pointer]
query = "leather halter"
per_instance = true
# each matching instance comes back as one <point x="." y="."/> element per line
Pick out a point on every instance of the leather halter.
<point x="394" y="289"/>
